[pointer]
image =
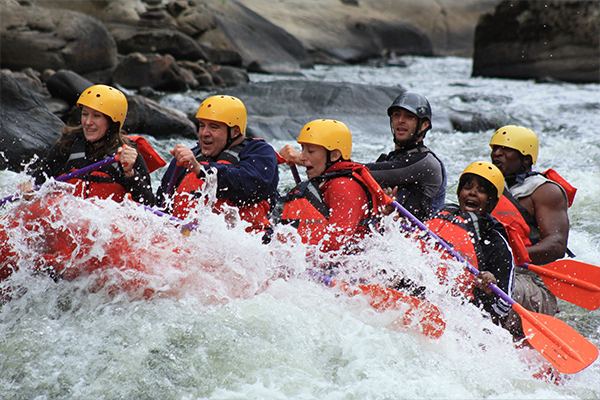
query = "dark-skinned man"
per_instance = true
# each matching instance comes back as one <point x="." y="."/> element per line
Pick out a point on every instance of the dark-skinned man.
<point x="533" y="209"/>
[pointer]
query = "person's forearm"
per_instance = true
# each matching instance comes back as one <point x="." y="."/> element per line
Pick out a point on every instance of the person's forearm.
<point x="549" y="249"/>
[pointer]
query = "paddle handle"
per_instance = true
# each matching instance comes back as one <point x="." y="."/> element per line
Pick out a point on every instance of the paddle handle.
<point x="173" y="180"/>
<point x="89" y="168"/>
<point x="295" y="174"/>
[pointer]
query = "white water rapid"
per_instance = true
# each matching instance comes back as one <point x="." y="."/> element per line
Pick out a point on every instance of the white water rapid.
<point x="218" y="315"/>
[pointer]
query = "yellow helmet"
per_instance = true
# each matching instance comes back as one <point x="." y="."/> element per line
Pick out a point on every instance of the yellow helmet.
<point x="489" y="172"/>
<point x="106" y="99"/>
<point x="519" y="138"/>
<point x="226" y="109"/>
<point x="329" y="133"/>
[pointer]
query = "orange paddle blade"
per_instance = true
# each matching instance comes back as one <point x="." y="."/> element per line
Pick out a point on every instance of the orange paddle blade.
<point x="573" y="281"/>
<point x="419" y="314"/>
<point x="557" y="342"/>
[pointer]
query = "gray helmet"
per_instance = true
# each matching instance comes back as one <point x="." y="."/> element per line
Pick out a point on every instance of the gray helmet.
<point x="413" y="102"/>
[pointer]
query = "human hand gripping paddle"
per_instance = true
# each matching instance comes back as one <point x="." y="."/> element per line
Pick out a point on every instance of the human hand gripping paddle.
<point x="557" y="342"/>
<point x="69" y="176"/>
<point x="570" y="280"/>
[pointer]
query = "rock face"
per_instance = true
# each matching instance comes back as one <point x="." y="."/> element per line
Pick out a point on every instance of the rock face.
<point x="356" y="31"/>
<point x="27" y="127"/>
<point x="262" y="46"/>
<point x="279" y="109"/>
<point x="131" y="39"/>
<point x="538" y="40"/>
<point x="42" y="38"/>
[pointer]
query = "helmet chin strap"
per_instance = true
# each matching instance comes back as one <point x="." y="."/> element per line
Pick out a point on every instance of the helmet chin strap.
<point x="230" y="139"/>
<point x="329" y="162"/>
<point x="523" y="168"/>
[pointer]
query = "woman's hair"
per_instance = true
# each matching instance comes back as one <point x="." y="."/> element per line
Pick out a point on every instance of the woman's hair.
<point x="489" y="188"/>
<point x="93" y="151"/>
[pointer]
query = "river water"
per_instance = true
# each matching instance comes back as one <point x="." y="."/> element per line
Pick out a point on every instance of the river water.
<point x="231" y="318"/>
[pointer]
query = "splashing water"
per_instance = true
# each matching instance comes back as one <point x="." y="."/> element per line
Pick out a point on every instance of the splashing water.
<point x="217" y="314"/>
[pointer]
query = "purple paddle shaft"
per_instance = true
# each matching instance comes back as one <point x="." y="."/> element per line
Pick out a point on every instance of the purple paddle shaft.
<point x="450" y="250"/>
<point x="69" y="176"/>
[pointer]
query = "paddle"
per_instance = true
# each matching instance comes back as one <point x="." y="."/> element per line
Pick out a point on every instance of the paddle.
<point x="557" y="342"/>
<point x="295" y="174"/>
<point x="69" y="176"/>
<point x="572" y="281"/>
<point x="173" y="180"/>
<point x="418" y="314"/>
<point x="430" y="322"/>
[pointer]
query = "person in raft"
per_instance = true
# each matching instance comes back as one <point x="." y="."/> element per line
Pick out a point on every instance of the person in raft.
<point x="417" y="173"/>
<point x="479" y="238"/>
<point x="340" y="199"/>
<point x="100" y="136"/>
<point x="534" y="212"/>
<point x="246" y="169"/>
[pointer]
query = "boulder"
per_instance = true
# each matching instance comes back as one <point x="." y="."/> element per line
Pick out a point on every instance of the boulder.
<point x="225" y="76"/>
<point x="123" y="12"/>
<point x="29" y="78"/>
<point x="67" y="85"/>
<point x="353" y="35"/>
<point x="376" y="28"/>
<point x="279" y="109"/>
<point x="27" y="127"/>
<point x="154" y="70"/>
<point x="547" y="40"/>
<point x="43" y="38"/>
<point x="131" y="39"/>
<point x="149" y="117"/>
<point x="261" y="45"/>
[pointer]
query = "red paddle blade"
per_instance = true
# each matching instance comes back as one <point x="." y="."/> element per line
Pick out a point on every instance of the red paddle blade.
<point x="419" y="314"/>
<point x="557" y="342"/>
<point x="573" y="281"/>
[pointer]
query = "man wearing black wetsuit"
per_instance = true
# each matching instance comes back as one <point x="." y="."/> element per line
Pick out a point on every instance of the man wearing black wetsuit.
<point x="415" y="170"/>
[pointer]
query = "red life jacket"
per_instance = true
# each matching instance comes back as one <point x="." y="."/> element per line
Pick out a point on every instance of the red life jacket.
<point x="306" y="210"/>
<point x="187" y="196"/>
<point x="521" y="227"/>
<point x="460" y="234"/>
<point x="98" y="184"/>
<point x="153" y="160"/>
<point x="101" y="184"/>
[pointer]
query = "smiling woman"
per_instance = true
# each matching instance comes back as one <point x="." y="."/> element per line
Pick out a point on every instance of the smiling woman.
<point x="103" y="112"/>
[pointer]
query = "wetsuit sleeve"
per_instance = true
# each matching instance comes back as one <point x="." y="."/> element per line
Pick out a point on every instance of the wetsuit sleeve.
<point x="419" y="177"/>
<point x="253" y="179"/>
<point x="348" y="206"/>
<point x="497" y="259"/>
<point x="139" y="185"/>
<point x="425" y="172"/>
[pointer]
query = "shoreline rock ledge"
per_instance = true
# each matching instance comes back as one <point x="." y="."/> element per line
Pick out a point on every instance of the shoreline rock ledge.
<point x="542" y="40"/>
